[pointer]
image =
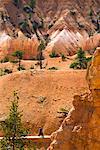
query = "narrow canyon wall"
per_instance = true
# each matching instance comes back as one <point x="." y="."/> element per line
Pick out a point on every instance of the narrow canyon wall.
<point x="81" y="129"/>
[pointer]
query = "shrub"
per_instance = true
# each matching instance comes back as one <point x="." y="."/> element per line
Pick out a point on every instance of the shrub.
<point x="6" y="59"/>
<point x="90" y="12"/>
<point x="53" y="68"/>
<point x="14" y="61"/>
<point x="81" y="61"/>
<point x="23" y="25"/>
<point x="21" y="68"/>
<point x="63" y="57"/>
<point x="2" y="72"/>
<point x="19" y="55"/>
<point x="27" y="9"/>
<point x="74" y="65"/>
<point x="53" y="54"/>
<point x="32" y="3"/>
<point x="5" y="71"/>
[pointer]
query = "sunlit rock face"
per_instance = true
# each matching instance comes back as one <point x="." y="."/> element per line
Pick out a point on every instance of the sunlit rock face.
<point x="4" y="44"/>
<point x="81" y="129"/>
<point x="66" y="42"/>
<point x="92" y="42"/>
<point x="8" y="45"/>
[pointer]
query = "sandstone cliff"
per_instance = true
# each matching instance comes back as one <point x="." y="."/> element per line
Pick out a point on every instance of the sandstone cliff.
<point x="81" y="129"/>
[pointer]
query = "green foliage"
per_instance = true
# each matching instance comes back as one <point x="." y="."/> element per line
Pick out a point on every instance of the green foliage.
<point x="53" y="68"/>
<point x="21" y="68"/>
<point x="27" y="9"/>
<point x="5" y="71"/>
<point x="41" y="47"/>
<point x="81" y="61"/>
<point x="53" y="54"/>
<point x="6" y="59"/>
<point x="63" y="57"/>
<point x="13" y="129"/>
<point x="14" y="61"/>
<point x="32" y="4"/>
<point x="74" y="65"/>
<point x="19" y="55"/>
<point x="23" y="25"/>
<point x="90" y="12"/>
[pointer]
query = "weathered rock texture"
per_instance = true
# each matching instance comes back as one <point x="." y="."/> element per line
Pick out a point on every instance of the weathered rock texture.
<point x="81" y="129"/>
<point x="67" y="24"/>
<point x="8" y="45"/>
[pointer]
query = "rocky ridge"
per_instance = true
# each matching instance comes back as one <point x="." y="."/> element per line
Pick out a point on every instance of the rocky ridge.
<point x="81" y="128"/>
<point x="67" y="25"/>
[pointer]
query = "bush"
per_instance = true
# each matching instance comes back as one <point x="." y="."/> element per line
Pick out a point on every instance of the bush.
<point x="53" y="54"/>
<point x="21" y="68"/>
<point x="32" y="3"/>
<point x="14" y="61"/>
<point x="81" y="61"/>
<point x="74" y="65"/>
<point x="53" y="68"/>
<point x="27" y="9"/>
<point x="5" y="71"/>
<point x="63" y="57"/>
<point x="8" y="71"/>
<point x="90" y="13"/>
<point x="6" y="59"/>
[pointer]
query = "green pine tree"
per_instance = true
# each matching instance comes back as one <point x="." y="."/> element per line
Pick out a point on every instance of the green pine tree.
<point x="19" y="55"/>
<point x="13" y="129"/>
<point x="40" y="50"/>
<point x="81" y="62"/>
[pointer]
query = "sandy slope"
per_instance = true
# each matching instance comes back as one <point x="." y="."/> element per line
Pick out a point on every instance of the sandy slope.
<point x="55" y="88"/>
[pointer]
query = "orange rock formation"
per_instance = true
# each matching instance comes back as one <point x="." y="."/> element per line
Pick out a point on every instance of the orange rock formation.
<point x="81" y="129"/>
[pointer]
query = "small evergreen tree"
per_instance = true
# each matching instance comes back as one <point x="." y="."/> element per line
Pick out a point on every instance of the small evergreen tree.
<point x="19" y="55"/>
<point x="40" y="50"/>
<point x="13" y="129"/>
<point x="81" y="61"/>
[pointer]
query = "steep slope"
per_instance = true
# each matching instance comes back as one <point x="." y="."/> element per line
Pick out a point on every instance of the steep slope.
<point x="81" y="128"/>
